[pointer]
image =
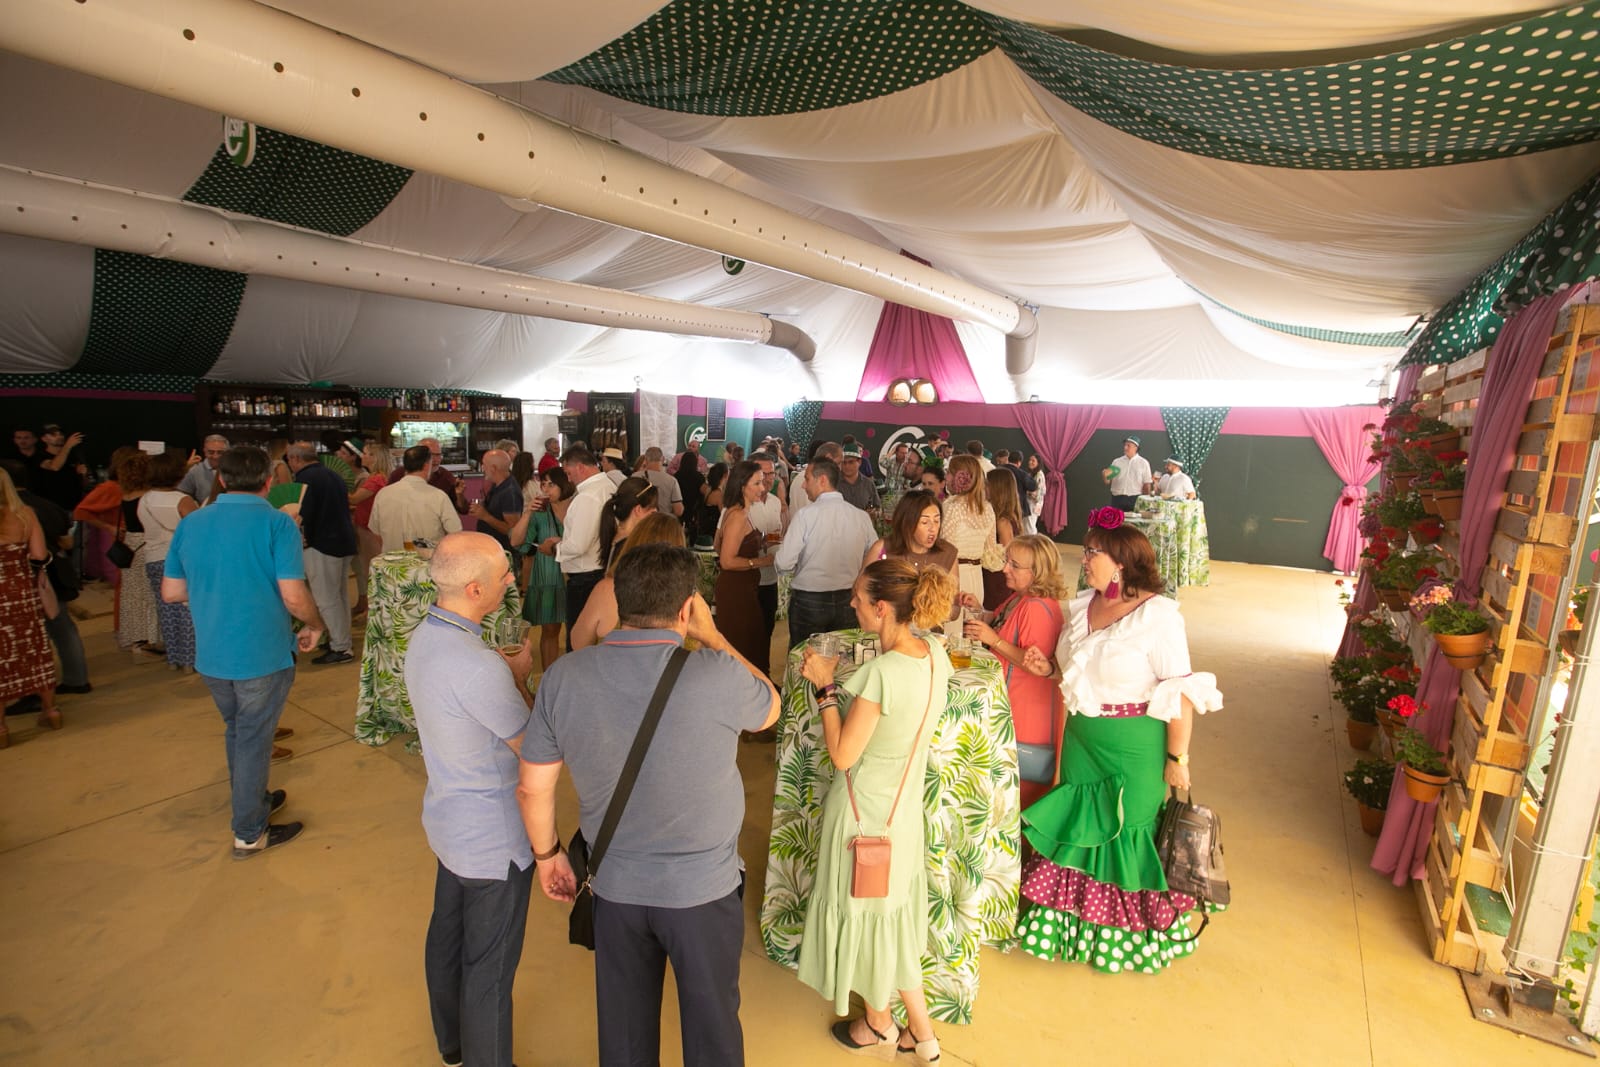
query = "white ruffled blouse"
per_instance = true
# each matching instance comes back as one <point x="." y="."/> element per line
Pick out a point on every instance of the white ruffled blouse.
<point x="1143" y="657"/>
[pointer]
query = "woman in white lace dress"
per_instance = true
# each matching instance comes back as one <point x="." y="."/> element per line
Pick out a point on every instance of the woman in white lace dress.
<point x="968" y="521"/>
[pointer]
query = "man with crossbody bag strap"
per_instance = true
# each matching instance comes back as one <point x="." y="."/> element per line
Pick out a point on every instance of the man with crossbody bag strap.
<point x="668" y="889"/>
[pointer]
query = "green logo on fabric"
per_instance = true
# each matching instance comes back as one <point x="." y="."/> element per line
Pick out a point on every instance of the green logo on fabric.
<point x="239" y="141"/>
<point x="731" y="265"/>
<point x="695" y="434"/>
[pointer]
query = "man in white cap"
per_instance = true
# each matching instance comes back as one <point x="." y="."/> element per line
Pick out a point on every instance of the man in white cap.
<point x="613" y="464"/>
<point x="1175" y="485"/>
<point x="856" y="488"/>
<point x="1128" y="475"/>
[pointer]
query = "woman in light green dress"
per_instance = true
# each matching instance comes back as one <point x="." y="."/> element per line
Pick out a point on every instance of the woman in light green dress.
<point x="891" y="706"/>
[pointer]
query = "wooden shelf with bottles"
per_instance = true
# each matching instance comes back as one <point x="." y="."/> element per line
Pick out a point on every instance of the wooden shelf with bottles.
<point x="245" y="412"/>
<point x="495" y="418"/>
<point x="1525" y="581"/>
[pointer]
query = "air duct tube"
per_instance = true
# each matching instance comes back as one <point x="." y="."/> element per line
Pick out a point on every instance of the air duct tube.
<point x="250" y="61"/>
<point x="76" y="212"/>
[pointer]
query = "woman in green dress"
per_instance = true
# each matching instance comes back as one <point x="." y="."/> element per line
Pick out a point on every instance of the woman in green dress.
<point x="545" y="602"/>
<point x="877" y="725"/>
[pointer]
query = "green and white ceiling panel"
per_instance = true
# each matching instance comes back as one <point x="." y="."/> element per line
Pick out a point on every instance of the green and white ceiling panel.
<point x="1167" y="180"/>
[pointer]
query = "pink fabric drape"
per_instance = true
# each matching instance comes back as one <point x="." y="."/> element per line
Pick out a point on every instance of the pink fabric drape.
<point x="1058" y="433"/>
<point x="915" y="344"/>
<point x="1508" y="379"/>
<point x="1347" y="448"/>
<point x="1363" y="600"/>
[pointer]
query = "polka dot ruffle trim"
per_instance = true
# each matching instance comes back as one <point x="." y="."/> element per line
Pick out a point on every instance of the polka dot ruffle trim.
<point x="1057" y="935"/>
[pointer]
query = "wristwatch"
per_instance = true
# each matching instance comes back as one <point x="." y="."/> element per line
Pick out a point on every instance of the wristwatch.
<point x="1180" y="760"/>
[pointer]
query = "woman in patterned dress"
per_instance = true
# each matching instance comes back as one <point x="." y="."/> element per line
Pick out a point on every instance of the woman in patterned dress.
<point x="544" y="516"/>
<point x="26" y="666"/>
<point x="969" y="522"/>
<point x="1095" y="892"/>
<point x="160" y="509"/>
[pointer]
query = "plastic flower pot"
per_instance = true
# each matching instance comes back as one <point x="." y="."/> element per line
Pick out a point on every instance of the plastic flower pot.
<point x="1464" y="651"/>
<point x="1371" y="819"/>
<point x="1449" y="503"/>
<point x="1361" y="734"/>
<point x="1422" y="787"/>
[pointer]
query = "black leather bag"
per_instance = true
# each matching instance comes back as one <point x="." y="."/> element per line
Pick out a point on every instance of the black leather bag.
<point x="1189" y="842"/>
<point x="120" y="555"/>
<point x="580" y="924"/>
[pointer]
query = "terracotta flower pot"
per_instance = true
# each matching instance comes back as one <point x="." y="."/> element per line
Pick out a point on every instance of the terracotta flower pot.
<point x="1371" y="819"/>
<point x="1421" y="787"/>
<point x="1464" y="651"/>
<point x="1449" y="503"/>
<point x="1361" y="734"/>
<point x="1393" y="599"/>
<point x="1390" y="722"/>
<point x="1402" y="482"/>
<point x="1429" y="503"/>
<point x="1443" y="442"/>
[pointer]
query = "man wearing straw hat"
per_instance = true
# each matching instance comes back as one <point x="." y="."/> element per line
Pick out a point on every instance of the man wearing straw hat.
<point x="1128" y="475"/>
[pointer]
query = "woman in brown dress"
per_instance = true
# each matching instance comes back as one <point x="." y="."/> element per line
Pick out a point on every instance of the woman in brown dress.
<point x="740" y="554"/>
<point x="26" y="666"/>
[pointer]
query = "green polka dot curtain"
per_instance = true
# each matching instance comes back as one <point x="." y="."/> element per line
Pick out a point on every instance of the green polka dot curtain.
<point x="800" y="422"/>
<point x="1393" y="339"/>
<point x="160" y="317"/>
<point x="1522" y="87"/>
<point x="1192" y="432"/>
<point x="1563" y="250"/>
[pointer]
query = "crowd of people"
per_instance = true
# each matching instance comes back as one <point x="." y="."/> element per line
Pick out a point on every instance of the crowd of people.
<point x="612" y="554"/>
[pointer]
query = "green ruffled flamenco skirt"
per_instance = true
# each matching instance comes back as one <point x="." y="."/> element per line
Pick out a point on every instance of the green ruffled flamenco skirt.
<point x="1095" y="892"/>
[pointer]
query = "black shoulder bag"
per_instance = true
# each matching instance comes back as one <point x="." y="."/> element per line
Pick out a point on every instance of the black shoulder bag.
<point x="580" y="925"/>
<point x="1189" y="842"/>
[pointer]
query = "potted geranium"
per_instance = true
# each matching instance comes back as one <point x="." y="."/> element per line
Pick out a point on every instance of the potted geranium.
<point x="1427" y="772"/>
<point x="1369" y="782"/>
<point x="1442" y="488"/>
<point x="1568" y="637"/>
<point x="1460" y="631"/>
<point x="1400" y="573"/>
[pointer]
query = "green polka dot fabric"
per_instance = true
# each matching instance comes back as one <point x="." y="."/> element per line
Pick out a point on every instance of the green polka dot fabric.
<point x="1058" y="935"/>
<point x="1563" y="250"/>
<point x="780" y="57"/>
<point x="159" y="316"/>
<point x="1392" y="339"/>
<point x="1522" y="87"/>
<point x="1192" y="432"/>
<point x="132" y="383"/>
<point x="800" y="421"/>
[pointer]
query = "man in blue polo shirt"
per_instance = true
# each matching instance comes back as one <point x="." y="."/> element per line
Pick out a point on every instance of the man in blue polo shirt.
<point x="238" y="566"/>
<point x="471" y="705"/>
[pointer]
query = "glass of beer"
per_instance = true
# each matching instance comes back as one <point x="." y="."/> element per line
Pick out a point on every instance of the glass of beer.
<point x="508" y="634"/>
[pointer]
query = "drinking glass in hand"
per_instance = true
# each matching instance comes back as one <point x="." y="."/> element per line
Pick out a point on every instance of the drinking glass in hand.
<point x="826" y="645"/>
<point x="508" y="634"/>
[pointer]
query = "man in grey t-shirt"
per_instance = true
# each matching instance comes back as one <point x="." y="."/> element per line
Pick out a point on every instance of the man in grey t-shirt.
<point x="670" y="884"/>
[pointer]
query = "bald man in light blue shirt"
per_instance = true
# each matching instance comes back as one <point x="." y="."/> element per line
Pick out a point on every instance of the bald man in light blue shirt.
<point x="823" y="549"/>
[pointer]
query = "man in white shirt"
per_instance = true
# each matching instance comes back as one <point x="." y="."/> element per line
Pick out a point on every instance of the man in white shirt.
<point x="669" y="494"/>
<point x="1175" y="485"/>
<point x="578" y="549"/>
<point x="975" y="450"/>
<point x="769" y="516"/>
<point x="798" y="496"/>
<point x="1128" y="475"/>
<point x="823" y="550"/>
<point x="412" y="509"/>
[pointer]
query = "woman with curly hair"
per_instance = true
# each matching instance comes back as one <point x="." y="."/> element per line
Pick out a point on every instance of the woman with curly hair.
<point x="1095" y="891"/>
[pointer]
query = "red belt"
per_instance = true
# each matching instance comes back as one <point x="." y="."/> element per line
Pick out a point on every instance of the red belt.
<point x="1123" y="711"/>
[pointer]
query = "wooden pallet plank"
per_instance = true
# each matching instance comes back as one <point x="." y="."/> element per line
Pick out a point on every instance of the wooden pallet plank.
<point x="1474" y="696"/>
<point x="1514" y="522"/>
<point x="1523" y="483"/>
<point x="1541" y="412"/>
<point x="1487" y="778"/>
<point x="1471" y="366"/>
<point x="1533" y="442"/>
<point x="1573" y="426"/>
<point x="1553" y="529"/>
<point x="1496" y="587"/>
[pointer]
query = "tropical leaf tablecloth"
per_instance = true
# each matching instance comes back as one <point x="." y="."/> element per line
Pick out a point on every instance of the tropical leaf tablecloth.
<point x="1190" y="557"/>
<point x="971" y="806"/>
<point x="1163" y="534"/>
<point x="399" y="594"/>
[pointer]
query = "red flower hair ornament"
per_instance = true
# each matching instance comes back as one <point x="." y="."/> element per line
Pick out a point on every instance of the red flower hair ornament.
<point x="1106" y="518"/>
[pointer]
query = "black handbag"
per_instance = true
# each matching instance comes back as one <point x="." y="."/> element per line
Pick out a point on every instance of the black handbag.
<point x="1189" y="842"/>
<point x="119" y="553"/>
<point x="580" y="924"/>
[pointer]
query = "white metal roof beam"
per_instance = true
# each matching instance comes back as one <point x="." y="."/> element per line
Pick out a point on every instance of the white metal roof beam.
<point x="253" y="62"/>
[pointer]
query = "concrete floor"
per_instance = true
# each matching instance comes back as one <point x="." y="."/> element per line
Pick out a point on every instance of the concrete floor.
<point x="131" y="937"/>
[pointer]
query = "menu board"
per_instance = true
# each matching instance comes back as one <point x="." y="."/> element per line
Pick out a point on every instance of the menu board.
<point x="716" y="420"/>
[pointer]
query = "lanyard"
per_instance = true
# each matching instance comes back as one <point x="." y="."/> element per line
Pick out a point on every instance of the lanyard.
<point x="451" y="622"/>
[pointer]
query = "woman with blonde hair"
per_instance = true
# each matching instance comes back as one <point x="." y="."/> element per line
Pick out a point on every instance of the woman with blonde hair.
<point x="1029" y="617"/>
<point x="969" y="521"/>
<point x="26" y="665"/>
<point x="877" y="725"/>
<point x="599" y="615"/>
<point x="1001" y="486"/>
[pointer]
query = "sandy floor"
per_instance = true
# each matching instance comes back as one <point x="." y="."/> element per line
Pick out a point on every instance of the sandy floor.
<point x="131" y="937"/>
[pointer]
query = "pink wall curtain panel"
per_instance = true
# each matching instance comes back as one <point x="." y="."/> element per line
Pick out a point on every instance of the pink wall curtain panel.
<point x="916" y="344"/>
<point x="1347" y="448"/>
<point x="1508" y="378"/>
<point x="1058" y="433"/>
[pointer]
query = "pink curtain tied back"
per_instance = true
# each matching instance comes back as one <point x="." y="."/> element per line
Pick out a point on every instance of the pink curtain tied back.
<point x="1058" y="433"/>
<point x="1346" y="446"/>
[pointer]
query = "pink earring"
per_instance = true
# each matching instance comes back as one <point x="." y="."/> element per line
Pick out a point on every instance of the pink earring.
<point x="1114" y="588"/>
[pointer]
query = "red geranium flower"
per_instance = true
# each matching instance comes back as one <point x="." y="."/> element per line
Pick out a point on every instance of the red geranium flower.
<point x="1403" y="705"/>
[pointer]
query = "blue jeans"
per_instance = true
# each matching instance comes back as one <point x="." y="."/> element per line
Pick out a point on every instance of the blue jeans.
<point x="818" y="612"/>
<point x="250" y="707"/>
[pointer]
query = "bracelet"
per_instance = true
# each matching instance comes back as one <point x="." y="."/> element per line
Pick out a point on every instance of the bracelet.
<point x="1180" y="760"/>
<point x="826" y="691"/>
<point x="555" y="850"/>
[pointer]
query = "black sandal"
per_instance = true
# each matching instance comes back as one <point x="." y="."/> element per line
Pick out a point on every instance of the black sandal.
<point x="841" y="1034"/>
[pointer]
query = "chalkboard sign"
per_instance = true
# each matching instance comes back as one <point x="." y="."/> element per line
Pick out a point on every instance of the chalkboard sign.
<point x="570" y="426"/>
<point x="716" y="420"/>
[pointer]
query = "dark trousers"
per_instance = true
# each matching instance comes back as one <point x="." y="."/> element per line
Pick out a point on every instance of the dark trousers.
<point x="473" y="948"/>
<point x="815" y="613"/>
<point x="69" y="646"/>
<point x="579" y="585"/>
<point x="767" y="597"/>
<point x="632" y="945"/>
<point x="1124" y="503"/>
